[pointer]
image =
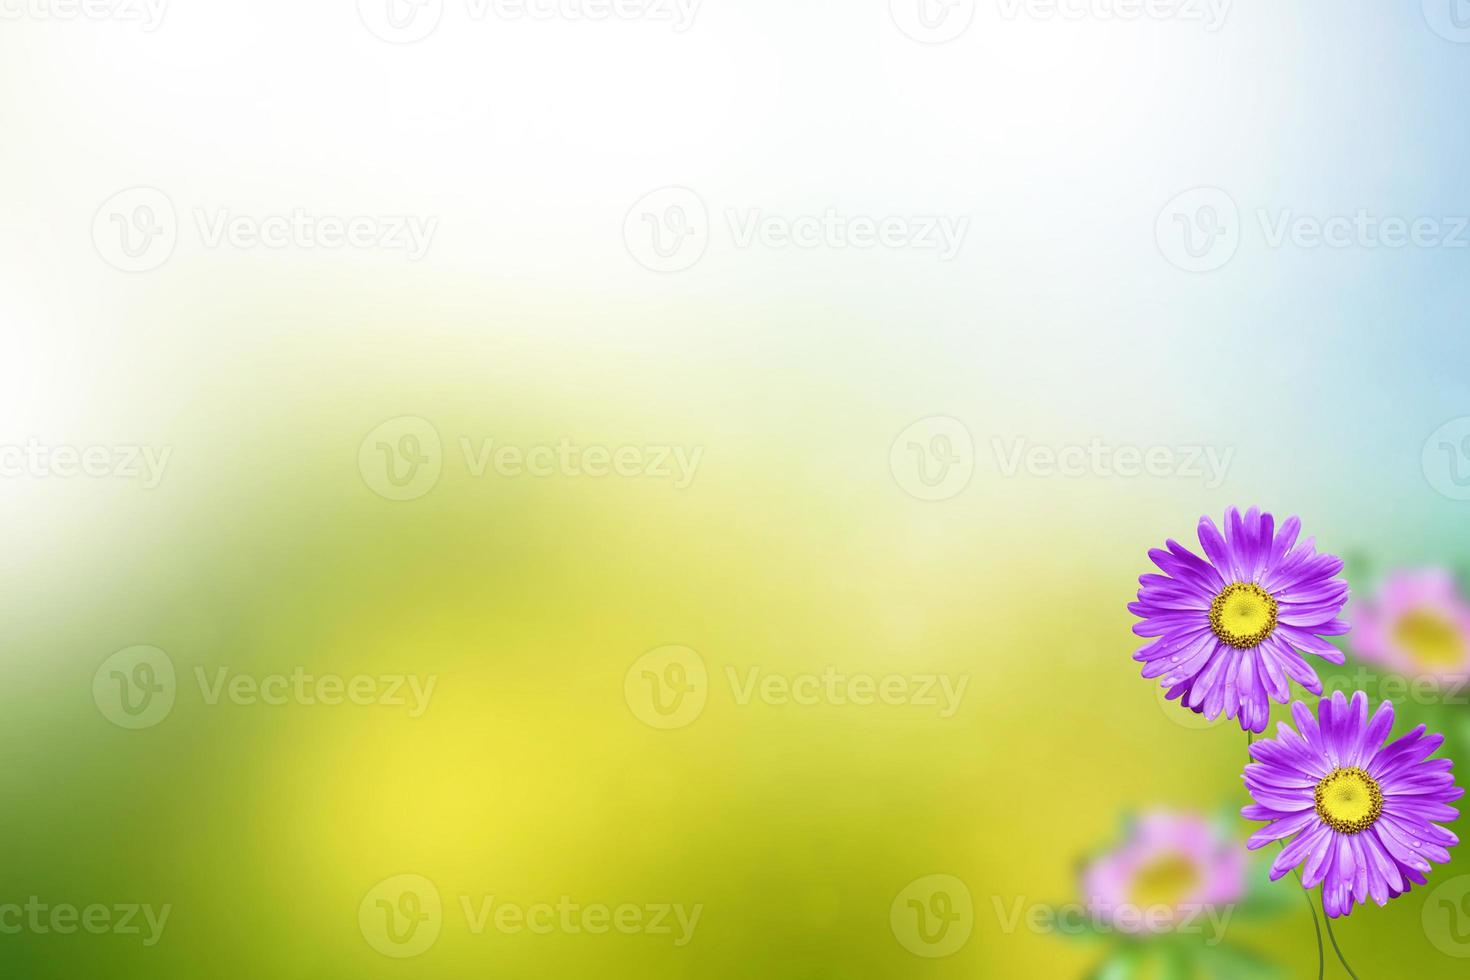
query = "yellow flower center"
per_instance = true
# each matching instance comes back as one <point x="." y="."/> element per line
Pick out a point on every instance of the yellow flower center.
<point x="1349" y="800"/>
<point x="1243" y="615"/>
<point x="1429" y="638"/>
<point x="1167" y="880"/>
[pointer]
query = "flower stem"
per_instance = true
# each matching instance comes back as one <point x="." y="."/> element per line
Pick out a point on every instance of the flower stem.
<point x="1316" y="925"/>
<point x="1335" y="948"/>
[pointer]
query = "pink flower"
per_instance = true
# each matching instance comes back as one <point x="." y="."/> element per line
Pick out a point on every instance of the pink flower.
<point x="1171" y="868"/>
<point x="1418" y="624"/>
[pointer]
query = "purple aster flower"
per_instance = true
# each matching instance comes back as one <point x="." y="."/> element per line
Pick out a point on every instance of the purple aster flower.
<point x="1170" y="868"/>
<point x="1232" y="627"/>
<point x="1418" y="623"/>
<point x="1362" y="814"/>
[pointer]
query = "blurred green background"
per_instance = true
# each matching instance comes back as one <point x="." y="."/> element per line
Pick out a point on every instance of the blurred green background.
<point x="804" y="543"/>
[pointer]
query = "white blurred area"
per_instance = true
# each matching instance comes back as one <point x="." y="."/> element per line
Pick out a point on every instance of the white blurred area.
<point x="529" y="141"/>
<point x="532" y="138"/>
